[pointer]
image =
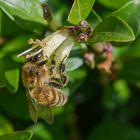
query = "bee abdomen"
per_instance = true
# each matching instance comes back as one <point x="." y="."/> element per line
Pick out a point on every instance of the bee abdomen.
<point x="59" y="99"/>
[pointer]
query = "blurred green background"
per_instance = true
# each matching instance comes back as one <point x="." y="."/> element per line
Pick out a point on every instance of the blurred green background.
<point x="99" y="107"/>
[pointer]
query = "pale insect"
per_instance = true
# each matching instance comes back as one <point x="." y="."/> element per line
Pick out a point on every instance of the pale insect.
<point x="41" y="96"/>
<point x="52" y="51"/>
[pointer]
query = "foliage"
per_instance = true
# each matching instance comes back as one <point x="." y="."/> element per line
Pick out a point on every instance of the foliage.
<point x="104" y="79"/>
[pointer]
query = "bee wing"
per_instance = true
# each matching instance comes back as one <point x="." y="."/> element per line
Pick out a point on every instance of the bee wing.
<point x="32" y="108"/>
<point x="45" y="112"/>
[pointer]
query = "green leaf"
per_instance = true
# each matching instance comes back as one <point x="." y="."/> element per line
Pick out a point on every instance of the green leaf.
<point x="131" y="69"/>
<point x="5" y="126"/>
<point x="116" y="95"/>
<point x="112" y="3"/>
<point x="21" y="135"/>
<point x="2" y="76"/>
<point x="109" y="99"/>
<point x="93" y="19"/>
<point x="77" y="75"/>
<point x="130" y="13"/>
<point x="13" y="28"/>
<point x="73" y="63"/>
<point x="27" y="14"/>
<point x="78" y="50"/>
<point x="122" y="90"/>
<point x="14" y="105"/>
<point x="40" y="132"/>
<point x="16" y="45"/>
<point x="114" y="131"/>
<point x="12" y="80"/>
<point x="0" y="21"/>
<point x="112" y="29"/>
<point x="133" y="51"/>
<point x="130" y="52"/>
<point x="76" y="78"/>
<point x="80" y="10"/>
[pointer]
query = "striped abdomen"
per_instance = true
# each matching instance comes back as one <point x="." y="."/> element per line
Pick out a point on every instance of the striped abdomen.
<point x="49" y="96"/>
<point x="56" y="97"/>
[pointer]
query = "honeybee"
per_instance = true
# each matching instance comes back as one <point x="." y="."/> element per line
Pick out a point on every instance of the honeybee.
<point x="55" y="63"/>
<point x="41" y="96"/>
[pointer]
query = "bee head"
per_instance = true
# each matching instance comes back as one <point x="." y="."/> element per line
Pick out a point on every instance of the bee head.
<point x="29" y="69"/>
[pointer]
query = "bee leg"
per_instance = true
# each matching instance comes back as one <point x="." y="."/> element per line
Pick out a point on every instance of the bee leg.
<point x="56" y="82"/>
<point x="52" y="66"/>
<point x="64" y="79"/>
<point x="63" y="76"/>
<point x="56" y="85"/>
<point x="42" y="62"/>
<point x="62" y="66"/>
<point x="35" y="57"/>
<point x="61" y="80"/>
